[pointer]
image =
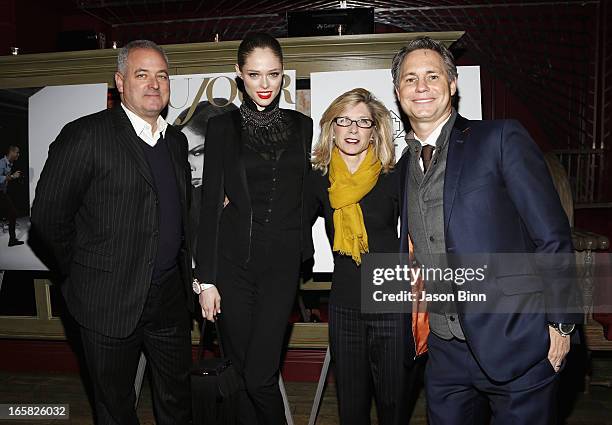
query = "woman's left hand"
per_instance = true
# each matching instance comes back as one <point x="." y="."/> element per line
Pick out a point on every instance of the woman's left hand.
<point x="210" y="301"/>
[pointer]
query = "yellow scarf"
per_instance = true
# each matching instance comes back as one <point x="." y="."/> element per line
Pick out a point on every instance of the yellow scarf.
<point x="345" y="192"/>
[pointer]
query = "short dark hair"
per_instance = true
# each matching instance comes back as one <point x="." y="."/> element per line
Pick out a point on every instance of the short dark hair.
<point x="12" y="148"/>
<point x="421" y="43"/>
<point x="258" y="40"/>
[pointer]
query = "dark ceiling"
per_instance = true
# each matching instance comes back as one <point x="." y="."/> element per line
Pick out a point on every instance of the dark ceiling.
<point x="173" y="21"/>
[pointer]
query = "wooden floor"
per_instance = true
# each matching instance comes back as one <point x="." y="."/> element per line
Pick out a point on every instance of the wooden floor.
<point x="594" y="408"/>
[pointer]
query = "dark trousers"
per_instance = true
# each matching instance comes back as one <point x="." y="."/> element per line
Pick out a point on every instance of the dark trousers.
<point x="7" y="209"/>
<point x="163" y="332"/>
<point x="256" y="302"/>
<point x="456" y="386"/>
<point x="369" y="360"/>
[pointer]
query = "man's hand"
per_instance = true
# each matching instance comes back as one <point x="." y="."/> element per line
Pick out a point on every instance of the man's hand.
<point x="559" y="347"/>
<point x="16" y="175"/>
<point x="210" y="301"/>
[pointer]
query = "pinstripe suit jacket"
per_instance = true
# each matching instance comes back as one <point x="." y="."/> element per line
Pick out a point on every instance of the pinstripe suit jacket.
<point x="95" y="218"/>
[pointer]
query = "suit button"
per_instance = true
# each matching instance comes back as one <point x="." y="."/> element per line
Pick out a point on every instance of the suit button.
<point x="150" y="262"/>
<point x="431" y="238"/>
<point x="156" y="233"/>
<point x="452" y="318"/>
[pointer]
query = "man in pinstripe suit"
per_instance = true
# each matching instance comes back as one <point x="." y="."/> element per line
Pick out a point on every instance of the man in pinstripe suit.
<point x="111" y="211"/>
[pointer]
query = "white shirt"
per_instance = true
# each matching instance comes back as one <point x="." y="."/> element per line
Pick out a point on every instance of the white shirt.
<point x="432" y="138"/>
<point x="144" y="130"/>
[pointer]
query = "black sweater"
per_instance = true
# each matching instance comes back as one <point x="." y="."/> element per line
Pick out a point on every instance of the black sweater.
<point x="170" y="222"/>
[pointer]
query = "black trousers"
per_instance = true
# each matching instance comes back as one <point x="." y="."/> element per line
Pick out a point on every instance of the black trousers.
<point x="7" y="209"/>
<point x="163" y="332"/>
<point x="369" y="361"/>
<point x="256" y="302"/>
<point x="456" y="386"/>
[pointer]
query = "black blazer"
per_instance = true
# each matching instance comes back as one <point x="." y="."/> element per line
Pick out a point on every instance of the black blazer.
<point x="228" y="230"/>
<point x="95" y="219"/>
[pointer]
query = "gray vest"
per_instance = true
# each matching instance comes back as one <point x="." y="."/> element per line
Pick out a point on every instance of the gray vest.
<point x="426" y="219"/>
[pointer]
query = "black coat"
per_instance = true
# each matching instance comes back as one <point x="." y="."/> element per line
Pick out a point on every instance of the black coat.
<point x="228" y="230"/>
<point x="95" y="218"/>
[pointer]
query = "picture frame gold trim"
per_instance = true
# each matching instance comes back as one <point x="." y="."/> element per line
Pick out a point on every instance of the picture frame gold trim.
<point x="304" y="54"/>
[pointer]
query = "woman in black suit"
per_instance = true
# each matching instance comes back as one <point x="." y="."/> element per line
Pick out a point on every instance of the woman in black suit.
<point x="251" y="237"/>
<point x="356" y="190"/>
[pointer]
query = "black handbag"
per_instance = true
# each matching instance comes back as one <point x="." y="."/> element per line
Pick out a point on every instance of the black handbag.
<point x="215" y="385"/>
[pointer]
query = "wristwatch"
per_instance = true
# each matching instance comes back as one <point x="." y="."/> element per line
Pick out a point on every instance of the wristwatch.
<point x="564" y="329"/>
<point x="199" y="287"/>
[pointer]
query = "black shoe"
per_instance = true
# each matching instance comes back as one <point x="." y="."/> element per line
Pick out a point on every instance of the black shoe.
<point x="15" y="242"/>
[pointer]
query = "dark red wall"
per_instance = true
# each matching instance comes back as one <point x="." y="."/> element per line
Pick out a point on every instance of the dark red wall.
<point x="8" y="26"/>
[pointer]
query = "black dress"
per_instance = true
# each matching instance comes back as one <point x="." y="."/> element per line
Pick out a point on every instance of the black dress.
<point x="369" y="350"/>
<point x="252" y="249"/>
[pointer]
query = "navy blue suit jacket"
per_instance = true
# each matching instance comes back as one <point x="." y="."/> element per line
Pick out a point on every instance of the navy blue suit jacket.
<point x="499" y="198"/>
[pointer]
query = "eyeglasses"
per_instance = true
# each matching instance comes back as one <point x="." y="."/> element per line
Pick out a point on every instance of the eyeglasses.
<point x="347" y="122"/>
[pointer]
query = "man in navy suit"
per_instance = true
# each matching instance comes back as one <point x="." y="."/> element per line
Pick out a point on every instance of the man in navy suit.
<point x="481" y="187"/>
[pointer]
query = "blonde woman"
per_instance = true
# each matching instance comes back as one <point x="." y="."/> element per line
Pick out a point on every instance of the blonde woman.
<point x="356" y="190"/>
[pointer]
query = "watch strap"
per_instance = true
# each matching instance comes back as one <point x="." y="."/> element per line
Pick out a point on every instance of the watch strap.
<point x="559" y="328"/>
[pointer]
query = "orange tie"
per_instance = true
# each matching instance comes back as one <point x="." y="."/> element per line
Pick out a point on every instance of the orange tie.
<point x="420" y="316"/>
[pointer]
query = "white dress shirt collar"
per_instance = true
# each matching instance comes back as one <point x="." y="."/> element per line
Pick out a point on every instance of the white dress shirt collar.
<point x="144" y="130"/>
<point x="433" y="136"/>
